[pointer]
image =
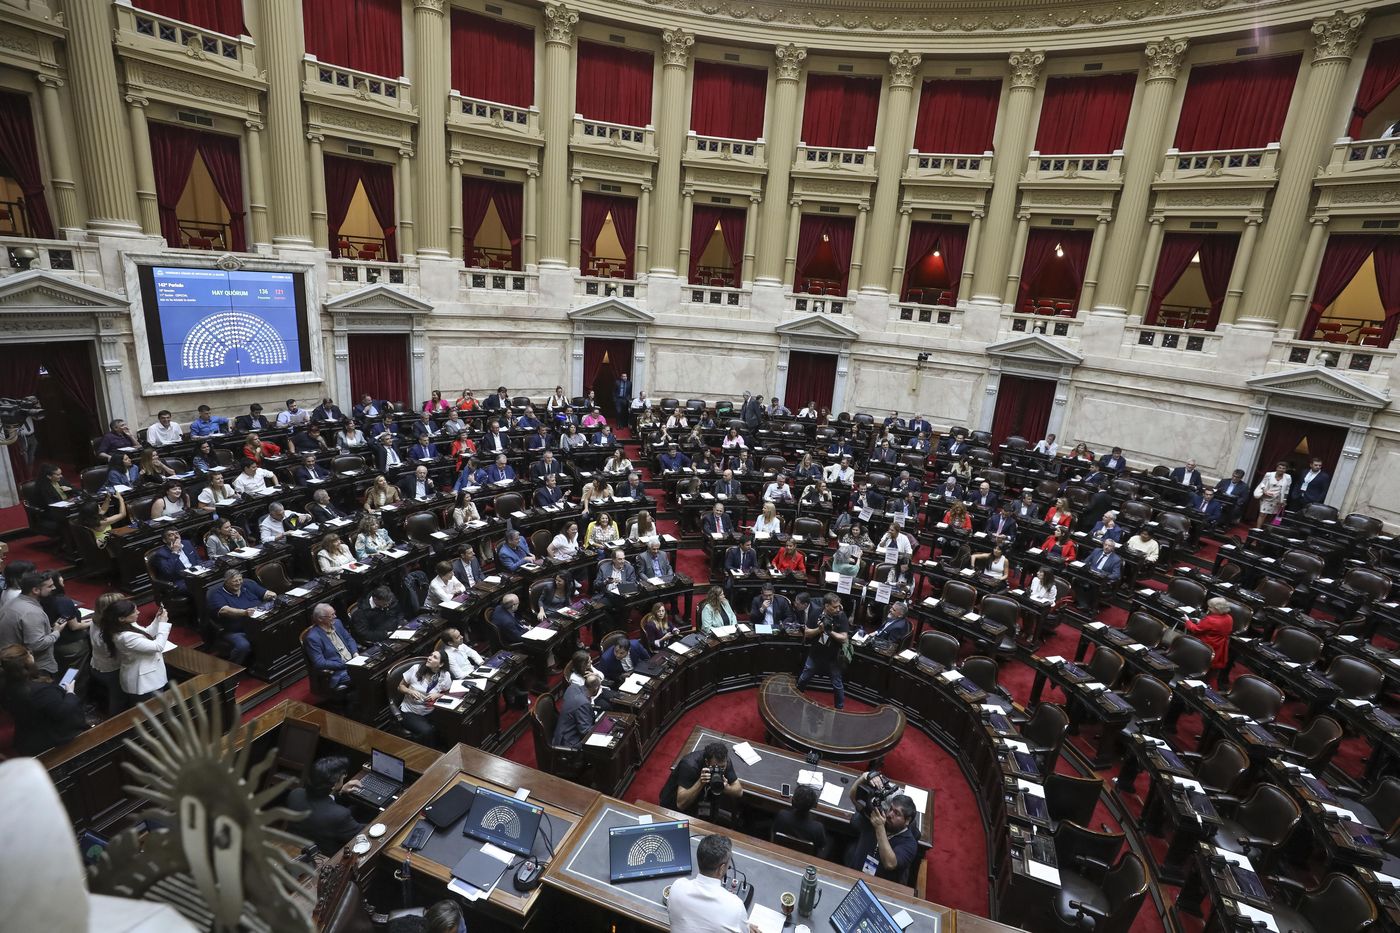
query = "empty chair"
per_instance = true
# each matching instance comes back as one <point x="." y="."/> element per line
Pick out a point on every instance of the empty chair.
<point x="1174" y="528"/>
<point x="940" y="647"/>
<point x="1221" y="771"/>
<point x="1150" y="700"/>
<point x="507" y="503"/>
<point x="1071" y="798"/>
<point x="1047" y="489"/>
<point x="695" y="406"/>
<point x="1379" y="809"/>
<point x="1005" y="611"/>
<point x="1259" y="825"/>
<point x="1298" y="645"/>
<point x="958" y="598"/>
<point x="1099" y="900"/>
<point x="1191" y="656"/>
<point x="1045" y="733"/>
<point x="808" y="528"/>
<point x="669" y="405"/>
<point x="1125" y="488"/>
<point x="1365" y="526"/>
<point x="1134" y="513"/>
<point x="346" y="463"/>
<point x="420" y="526"/>
<point x="1367" y="583"/>
<point x="1338" y="905"/>
<point x="1144" y="629"/>
<point x="1015" y="442"/>
<point x="1313" y="746"/>
<point x="1106" y="666"/>
<point x="1304" y="566"/>
<point x="982" y="671"/>
<point x="1358" y="678"/>
<point x="1183" y="593"/>
<point x="1277" y="594"/>
<point x="980" y="439"/>
<point x="1256" y="698"/>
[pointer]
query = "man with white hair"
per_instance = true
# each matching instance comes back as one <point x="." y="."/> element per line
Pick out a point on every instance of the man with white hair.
<point x="278" y="521"/>
<point x="329" y="646"/>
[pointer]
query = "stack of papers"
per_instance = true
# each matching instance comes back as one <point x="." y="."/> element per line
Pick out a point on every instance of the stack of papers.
<point x="831" y="794"/>
<point x="539" y="633"/>
<point x="599" y="739"/>
<point x="634" y="683"/>
<point x="814" y="778"/>
<point x="746" y="754"/>
<point x="678" y="647"/>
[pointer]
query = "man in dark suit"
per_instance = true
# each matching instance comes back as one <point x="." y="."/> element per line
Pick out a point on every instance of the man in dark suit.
<point x="170" y="562"/>
<point x="576" y="715"/>
<point x="1187" y="475"/>
<point x="896" y="626"/>
<point x="905" y="484"/>
<point x="1312" y="486"/>
<point x="376" y="618"/>
<point x="1001" y="525"/>
<point x="253" y="421"/>
<point x="950" y="490"/>
<point x="1114" y="462"/>
<point x="329" y="824"/>
<point x="1233" y="495"/>
<point x="423" y="448"/>
<point x="1207" y="506"/>
<point x="309" y="440"/>
<point x="654" y="564"/>
<point x="770" y="608"/>
<point x="467" y="568"/>
<point x="309" y="472"/>
<point x="619" y="660"/>
<point x="673" y="460"/>
<point x="539" y="440"/>
<point x="329" y="646"/>
<point x="1105" y="568"/>
<point x="919" y="425"/>
<point x="804" y="611"/>
<point x="548" y="494"/>
<point x="545" y="466"/>
<point x="867" y="497"/>
<point x="495" y="441"/>
<point x="328" y="410"/>
<point x="957" y="446"/>
<point x="501" y="471"/>
<point x="370" y="409"/>
<point x="751" y="413"/>
<point x="727" y="486"/>
<point x="622" y="398"/>
<point x="615" y="572"/>
<point x="321" y="508"/>
<point x="386" y="457"/>
<point x="740" y="561"/>
<point x="716" y="522"/>
<point x="498" y="402"/>
<point x="507" y="620"/>
<point x="417" y="485"/>
<point x="840" y="447"/>
<point x="983" y="497"/>
<point x="634" y="489"/>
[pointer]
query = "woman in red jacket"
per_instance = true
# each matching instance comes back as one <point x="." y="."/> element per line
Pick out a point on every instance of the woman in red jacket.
<point x="1214" y="629"/>
<point x="1059" y="544"/>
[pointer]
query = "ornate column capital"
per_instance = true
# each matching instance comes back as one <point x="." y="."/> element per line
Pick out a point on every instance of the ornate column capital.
<point x="53" y="81"/>
<point x="688" y="191"/>
<point x="455" y="161"/>
<point x="675" y="47"/>
<point x="1254" y="220"/>
<point x="790" y="58"/>
<point x="979" y="215"/>
<point x="1157" y="219"/>
<point x="559" y="23"/>
<point x="794" y="202"/>
<point x="1104" y="218"/>
<point x="1334" y="37"/>
<point x="645" y="186"/>
<point x="316" y="138"/>
<point x="906" y="209"/>
<point x="755" y="198"/>
<point x="253" y="126"/>
<point x="406" y="152"/>
<point x="576" y="178"/>
<point x="1023" y="216"/>
<point x="1164" y="58"/>
<point x="863" y="206"/>
<point x="136" y="100"/>
<point x="532" y="172"/>
<point x="1025" y="68"/>
<point x="430" y="6"/>
<point x="1320" y="220"/>
<point x="903" y="65"/>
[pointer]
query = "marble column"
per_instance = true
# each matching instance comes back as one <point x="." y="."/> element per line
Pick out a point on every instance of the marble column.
<point x="257" y="184"/>
<point x="1094" y="262"/>
<point x="1308" y="144"/>
<point x="558" y="239"/>
<point x="880" y="257"/>
<point x="990" y="389"/>
<point x="750" y="238"/>
<point x="974" y="236"/>
<point x="1253" y="438"/>
<point x="529" y="252"/>
<point x="794" y="226"/>
<point x="687" y="219"/>
<point x="145" y="167"/>
<point x="61" y="177"/>
<point x="667" y="239"/>
<point x="1056" y="423"/>
<point x="853" y="277"/>
<point x="901" y="251"/>
<point x="993" y="259"/>
<point x="575" y="233"/>
<point x="641" y="260"/>
<point x="430" y="88"/>
<point x="280" y="51"/>
<point x="318" y="210"/>
<point x="1012" y="285"/>
<point x="404" y="176"/>
<point x="1235" y="287"/>
<point x="1347" y="464"/>
<point x="104" y="143"/>
<point x="1147" y="268"/>
<point x="774" y="222"/>
<point x="456" y="244"/>
<point x="1142" y="159"/>
<point x="1307" y="272"/>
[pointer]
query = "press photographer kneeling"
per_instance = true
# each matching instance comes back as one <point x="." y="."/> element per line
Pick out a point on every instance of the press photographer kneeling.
<point x="886" y="824"/>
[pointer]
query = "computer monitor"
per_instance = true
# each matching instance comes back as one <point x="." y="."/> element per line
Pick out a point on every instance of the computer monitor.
<point x="503" y="821"/>
<point x="648" y="850"/>
<point x="385" y="764"/>
<point x="860" y="911"/>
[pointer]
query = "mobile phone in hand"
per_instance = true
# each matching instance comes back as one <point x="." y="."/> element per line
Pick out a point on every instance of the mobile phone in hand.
<point x="69" y="676"/>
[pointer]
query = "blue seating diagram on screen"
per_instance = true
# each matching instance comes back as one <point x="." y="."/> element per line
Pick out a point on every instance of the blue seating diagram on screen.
<point x="216" y="324"/>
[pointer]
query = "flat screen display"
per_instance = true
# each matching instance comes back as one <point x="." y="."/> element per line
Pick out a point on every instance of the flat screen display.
<point x="648" y="850"/>
<point x="213" y="324"/>
<point x="505" y="821"/>
<point x="861" y="912"/>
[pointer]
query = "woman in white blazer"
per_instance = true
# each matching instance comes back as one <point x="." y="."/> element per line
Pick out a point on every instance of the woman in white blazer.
<point x="140" y="650"/>
<point x="1272" y="493"/>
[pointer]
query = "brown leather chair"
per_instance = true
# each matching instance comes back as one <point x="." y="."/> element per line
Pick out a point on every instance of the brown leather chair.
<point x="1071" y="798"/>
<point x="1095" y="898"/>
<point x="1338" y="905"/>
<point x="551" y="758"/>
<point x="419" y="527"/>
<point x="1314" y="746"/>
<point x="1145" y="629"/>
<point x="391" y="689"/>
<point x="1297" y="644"/>
<point x="940" y="647"/>
<point x="507" y="503"/>
<point x="1258" y="826"/>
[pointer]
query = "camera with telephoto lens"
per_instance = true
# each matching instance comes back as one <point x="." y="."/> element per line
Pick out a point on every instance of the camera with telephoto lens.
<point x="876" y="792"/>
<point x="14" y="411"/>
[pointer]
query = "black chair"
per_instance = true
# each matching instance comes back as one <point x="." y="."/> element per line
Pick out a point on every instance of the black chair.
<point x="1144" y="629"/>
<point x="391" y="691"/>
<point x="1338" y="905"/>
<point x="1150" y="700"/>
<point x="1191" y="656"/>
<point x="1358" y="678"/>
<point x="1256" y="698"/>
<point x="1045" y="733"/>
<point x="940" y="647"/>
<point x="982" y="671"/>
<point x="1221" y="771"/>
<point x="1314" y="746"/>
<point x="1297" y="644"/>
<point x="1071" y="798"/>
<point x="1259" y="825"/>
<point x="1004" y="611"/>
<point x="1380" y="809"/>
<point x="1276" y="594"/>
<point x="1101" y="899"/>
<point x="1106" y="666"/>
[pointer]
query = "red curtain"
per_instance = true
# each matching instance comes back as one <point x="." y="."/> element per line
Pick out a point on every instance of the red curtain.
<point x="957" y="116"/>
<point x="704" y="219"/>
<point x="614" y="84"/>
<point x="1381" y="77"/>
<point x="949" y="239"/>
<point x="596" y="208"/>
<point x="476" y="199"/>
<point x="1281" y="440"/>
<point x="810" y="377"/>
<point x="731" y="227"/>
<point x="19" y="159"/>
<point x="510" y="200"/>
<point x="70" y="362"/>
<point x="341" y="177"/>
<point x="1387" y="262"/>
<point x="1085" y="114"/>
<point x="624" y="216"/>
<point x="824" y="238"/>
<point x="225" y="165"/>
<point x="595" y="349"/>
<point x="1040" y="260"/>
<point x="1345" y="255"/>
<point x="172" y="156"/>
<point x="840" y="110"/>
<point x="363" y="34"/>
<point x="379" y="366"/>
<point x="1217" y="262"/>
<point x="1172" y="263"/>
<point x="1023" y="408"/>
<point x="225" y="16"/>
<point x="493" y="59"/>
<point x="728" y="100"/>
<point x="1236" y="105"/>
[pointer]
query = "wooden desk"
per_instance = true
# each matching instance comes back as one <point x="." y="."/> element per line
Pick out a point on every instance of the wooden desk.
<point x="837" y="734"/>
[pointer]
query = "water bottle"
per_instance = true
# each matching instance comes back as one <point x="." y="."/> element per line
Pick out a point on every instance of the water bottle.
<point x="809" y="896"/>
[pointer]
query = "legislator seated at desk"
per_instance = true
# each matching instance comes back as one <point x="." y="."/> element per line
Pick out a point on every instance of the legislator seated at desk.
<point x="508" y="622"/>
<point x="514" y="555"/>
<point x="620" y="655"/>
<point x="770" y="608"/>
<point x="704" y="775"/>
<point x="615" y="574"/>
<point x="171" y="561"/>
<point x="231" y="606"/>
<point x="328" y="823"/>
<point x="577" y="711"/>
<point x="278" y="521"/>
<point x="654" y="564"/>
<point x="419" y="485"/>
<point x="377" y="617"/>
<point x="329" y="647"/>
<point x="545" y="466"/>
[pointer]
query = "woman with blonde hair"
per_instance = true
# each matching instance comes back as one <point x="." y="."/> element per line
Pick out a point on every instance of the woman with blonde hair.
<point x="333" y="555"/>
<point x="715" y="611"/>
<point x="381" y="492"/>
<point x="768" y="523"/>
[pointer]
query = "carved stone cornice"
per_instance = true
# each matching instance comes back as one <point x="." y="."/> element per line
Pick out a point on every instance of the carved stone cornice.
<point x="903" y="66"/>
<point x="1164" y="58"/>
<point x="1025" y="68"/>
<point x="675" y="47"/>
<point x="559" y="23"/>
<point x="790" y="58"/>
<point x="1334" y="37"/>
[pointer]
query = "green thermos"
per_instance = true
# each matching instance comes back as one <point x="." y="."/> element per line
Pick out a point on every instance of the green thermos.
<point x="810" y="896"/>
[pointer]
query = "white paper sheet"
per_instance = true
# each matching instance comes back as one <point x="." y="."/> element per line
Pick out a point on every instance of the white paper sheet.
<point x="766" y="919"/>
<point x="814" y="778"/>
<point x="919" y="796"/>
<point x="598" y="740"/>
<point x="831" y="794"/>
<point x="747" y="754"/>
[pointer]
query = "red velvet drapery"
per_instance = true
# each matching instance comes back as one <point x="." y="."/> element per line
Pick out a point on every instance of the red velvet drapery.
<point x="366" y="35"/>
<point x="70" y="362"/>
<point x="824" y="250"/>
<point x="510" y="204"/>
<point x="1023" y="408"/>
<point x="811" y="377"/>
<point x="596" y="208"/>
<point x="493" y="59"/>
<point x="1085" y="114"/>
<point x="172" y="157"/>
<point x="1387" y="262"/>
<point x="617" y="353"/>
<point x="1236" y="105"/>
<point x="624" y="217"/>
<point x="728" y="100"/>
<point x="379" y="366"/>
<point x="1344" y="257"/>
<point x="477" y="196"/>
<point x="614" y="84"/>
<point x="342" y="175"/>
<point x="1040" y="259"/>
<point x="19" y="159"/>
<point x="957" y="116"/>
<point x="840" y="110"/>
<point x="731" y="227"/>
<point x="1217" y="262"/>
<point x="219" y="15"/>
<point x="949" y="239"/>
<point x="730" y="221"/>
<point x="1172" y="263"/>
<point x="225" y="164"/>
<point x="1381" y="77"/>
<point x="1281" y="440"/>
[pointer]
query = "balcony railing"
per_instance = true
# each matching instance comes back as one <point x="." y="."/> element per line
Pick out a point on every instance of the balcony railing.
<point x="724" y="149"/>
<point x="143" y="29"/>
<point x="475" y="111"/>
<point x="591" y="286"/>
<point x="1014" y="323"/>
<point x="1363" y="331"/>
<point x="367" y="248"/>
<point x="356" y="272"/>
<point x="499" y="260"/>
<point x="67" y="258"/>
<point x="1141" y="337"/>
<point x="717" y="296"/>
<point x="916" y="312"/>
<point x="1182" y="316"/>
<point x="1364" y="156"/>
<point x="1346" y="358"/>
<point x="14" y="219"/>
<point x="1106" y="167"/>
<point x="499" y="286"/>
<point x="615" y="135"/>
<point x="1231" y="164"/>
<point x="820" y="304"/>
<point x="941" y="165"/>
<point x="340" y="81"/>
<point x="835" y="159"/>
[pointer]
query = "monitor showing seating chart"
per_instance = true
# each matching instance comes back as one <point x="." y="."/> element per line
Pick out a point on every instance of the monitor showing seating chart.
<point x="648" y="850"/>
<point x="504" y="821"/>
<point x="860" y="911"/>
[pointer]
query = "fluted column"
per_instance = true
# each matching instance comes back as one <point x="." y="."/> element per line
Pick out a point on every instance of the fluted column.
<point x="750" y="238"/>
<point x="456" y="244"/>
<point x="145" y="167"/>
<point x="558" y="239"/>
<point x="1012" y="284"/>
<point x="280" y="48"/>
<point x="575" y="234"/>
<point x="853" y="276"/>
<point x="1306" y="146"/>
<point x="530" y="253"/>
<point x="687" y="218"/>
<point x="894" y="142"/>
<point x="318" y="210"/>
<point x="404" y="176"/>
<point x="1147" y="268"/>
<point x="430" y="87"/>
<point x="1243" y="255"/>
<point x="670" y="146"/>
<point x="974" y="237"/>
<point x="1142" y="158"/>
<point x="793" y="228"/>
<point x="993" y="260"/>
<point x="257" y="182"/>
<point x="901" y="251"/>
<point x="65" y="193"/>
<point x="104" y="143"/>
<point x="773" y="218"/>
<point x="643" y="257"/>
<point x="1093" y="262"/>
<point x="1307" y="271"/>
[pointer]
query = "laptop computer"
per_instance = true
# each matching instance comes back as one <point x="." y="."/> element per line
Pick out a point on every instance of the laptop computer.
<point x="503" y="821"/>
<point x="384" y="781"/>
<point x="860" y="911"/>
<point x="648" y="850"/>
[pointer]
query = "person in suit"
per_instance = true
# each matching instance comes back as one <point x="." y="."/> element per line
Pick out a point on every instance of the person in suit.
<point x="423" y="448"/>
<point x="654" y="563"/>
<point x="673" y="460"/>
<point x="171" y="561"/>
<point x="50" y="487"/>
<point x="727" y="486"/>
<point x="716" y="522"/>
<point x="467" y="568"/>
<point x="770" y="608"/>
<point x="328" y="823"/>
<point x="309" y="440"/>
<point x="957" y="446"/>
<point x="751" y="412"/>
<point x="1208" y="506"/>
<point x="905" y="484"/>
<point x="253" y="422"/>
<point x="370" y="409"/>
<point x="1187" y="475"/>
<point x="634" y="490"/>
<point x="1105" y="567"/>
<point x="501" y="471"/>
<point x="622" y="398"/>
<point x="498" y="402"/>
<point x="867" y="498"/>
<point x="329" y="646"/>
<point x="896" y="625"/>
<point x="309" y="472"/>
<point x="507" y="620"/>
<point x="545" y="466"/>
<point x="615" y="572"/>
<point x="539" y="440"/>
<point x="576" y="715"/>
<point x="840" y="447"/>
<point x="1233" y="494"/>
<point x="417" y="486"/>
<point x="741" y="560"/>
<point x="528" y="421"/>
<point x="919" y="425"/>
<point x="1312" y="486"/>
<point x="385" y="456"/>
<point x="983" y="497"/>
<point x="328" y="410"/>
<point x="495" y="440"/>
<point x="619" y="660"/>
<point x="376" y="618"/>
<point x="321" y="508"/>
<point x="1114" y="462"/>
<point x="1001" y="525"/>
<point x="548" y="494"/>
<point x="950" y="491"/>
<point x="515" y="552"/>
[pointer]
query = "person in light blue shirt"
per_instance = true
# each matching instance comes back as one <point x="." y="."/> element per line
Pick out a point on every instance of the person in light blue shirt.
<point x="515" y="553"/>
<point x="205" y="423"/>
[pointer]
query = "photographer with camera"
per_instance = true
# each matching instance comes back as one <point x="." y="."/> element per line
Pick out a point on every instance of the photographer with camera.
<point x="828" y="635"/>
<point x="706" y="774"/>
<point x="884" y="821"/>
